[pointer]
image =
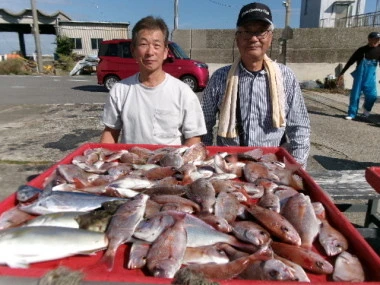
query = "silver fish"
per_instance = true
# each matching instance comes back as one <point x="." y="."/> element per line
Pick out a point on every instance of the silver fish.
<point x="59" y="219"/>
<point x="61" y="201"/>
<point x="25" y="245"/>
<point x="26" y="193"/>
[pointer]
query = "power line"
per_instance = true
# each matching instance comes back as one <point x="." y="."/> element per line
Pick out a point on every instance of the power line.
<point x="222" y="4"/>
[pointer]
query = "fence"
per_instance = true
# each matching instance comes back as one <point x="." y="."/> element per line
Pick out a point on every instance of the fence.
<point x="362" y="20"/>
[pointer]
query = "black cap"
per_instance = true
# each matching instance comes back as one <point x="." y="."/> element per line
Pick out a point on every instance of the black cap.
<point x="254" y="12"/>
<point x="374" y="35"/>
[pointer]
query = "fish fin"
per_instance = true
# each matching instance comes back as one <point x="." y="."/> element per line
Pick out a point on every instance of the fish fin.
<point x="291" y="166"/>
<point x="296" y="182"/>
<point x="48" y="190"/>
<point x="78" y="183"/>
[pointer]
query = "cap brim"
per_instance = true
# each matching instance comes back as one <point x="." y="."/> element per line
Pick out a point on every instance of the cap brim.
<point x="245" y="21"/>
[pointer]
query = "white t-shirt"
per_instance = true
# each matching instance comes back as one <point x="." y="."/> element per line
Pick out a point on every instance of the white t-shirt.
<point x="164" y="114"/>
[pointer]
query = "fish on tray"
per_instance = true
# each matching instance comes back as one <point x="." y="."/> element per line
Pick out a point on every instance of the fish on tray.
<point x="226" y="215"/>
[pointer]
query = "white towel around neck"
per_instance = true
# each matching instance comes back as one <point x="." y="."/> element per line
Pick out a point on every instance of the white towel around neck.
<point x="227" y="116"/>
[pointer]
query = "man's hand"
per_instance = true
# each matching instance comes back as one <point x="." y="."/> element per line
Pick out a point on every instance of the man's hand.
<point x="340" y="81"/>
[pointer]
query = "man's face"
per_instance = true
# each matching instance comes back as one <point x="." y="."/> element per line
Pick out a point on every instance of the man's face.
<point x="150" y="50"/>
<point x="253" y="40"/>
<point x="373" y="42"/>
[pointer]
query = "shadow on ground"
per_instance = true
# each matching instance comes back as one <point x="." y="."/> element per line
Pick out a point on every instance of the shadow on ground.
<point x="73" y="140"/>
<point x="91" y="88"/>
<point x="330" y="163"/>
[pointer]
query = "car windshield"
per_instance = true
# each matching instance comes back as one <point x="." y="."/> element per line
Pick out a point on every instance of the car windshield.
<point x="178" y="51"/>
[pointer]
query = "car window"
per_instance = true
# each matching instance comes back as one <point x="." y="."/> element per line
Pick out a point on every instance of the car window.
<point x="126" y="50"/>
<point x="108" y="50"/>
<point x="178" y="51"/>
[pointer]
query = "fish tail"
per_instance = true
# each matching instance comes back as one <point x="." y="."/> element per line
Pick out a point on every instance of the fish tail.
<point x="108" y="259"/>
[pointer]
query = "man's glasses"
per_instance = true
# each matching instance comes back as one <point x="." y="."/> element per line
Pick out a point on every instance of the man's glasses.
<point x="246" y="35"/>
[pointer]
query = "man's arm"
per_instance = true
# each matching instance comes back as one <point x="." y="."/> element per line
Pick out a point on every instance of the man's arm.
<point x="357" y="55"/>
<point x="210" y="99"/>
<point x="109" y="135"/>
<point x="191" y="141"/>
<point x="298" y="124"/>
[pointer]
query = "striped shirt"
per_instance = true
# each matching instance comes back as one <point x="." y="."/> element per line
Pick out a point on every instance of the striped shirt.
<point x="256" y="112"/>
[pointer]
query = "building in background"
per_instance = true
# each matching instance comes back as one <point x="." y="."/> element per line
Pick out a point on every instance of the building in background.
<point x="334" y="14"/>
<point x="86" y="36"/>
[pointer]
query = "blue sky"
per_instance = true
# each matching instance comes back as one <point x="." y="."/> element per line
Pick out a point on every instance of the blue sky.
<point x="193" y="14"/>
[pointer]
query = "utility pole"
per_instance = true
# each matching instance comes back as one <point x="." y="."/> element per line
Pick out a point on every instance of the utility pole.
<point x="287" y="12"/>
<point x="175" y="14"/>
<point x="285" y="36"/>
<point x="36" y="32"/>
<point x="175" y="18"/>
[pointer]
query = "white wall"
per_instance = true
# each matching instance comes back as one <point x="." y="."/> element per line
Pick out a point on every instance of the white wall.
<point x="324" y="9"/>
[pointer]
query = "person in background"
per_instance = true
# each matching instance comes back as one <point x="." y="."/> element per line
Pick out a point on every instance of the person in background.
<point x="367" y="58"/>
<point x="258" y="101"/>
<point x="152" y="107"/>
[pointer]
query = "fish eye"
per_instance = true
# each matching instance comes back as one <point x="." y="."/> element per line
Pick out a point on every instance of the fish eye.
<point x="273" y="274"/>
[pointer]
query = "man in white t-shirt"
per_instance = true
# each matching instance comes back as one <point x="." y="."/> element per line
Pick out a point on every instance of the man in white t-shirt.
<point x="152" y="107"/>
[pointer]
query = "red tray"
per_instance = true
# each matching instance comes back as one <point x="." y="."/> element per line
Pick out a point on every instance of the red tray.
<point x="93" y="272"/>
<point x="372" y="175"/>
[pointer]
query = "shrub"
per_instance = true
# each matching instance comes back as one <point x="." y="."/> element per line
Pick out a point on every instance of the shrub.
<point x="65" y="46"/>
<point x="18" y="66"/>
<point x="64" y="62"/>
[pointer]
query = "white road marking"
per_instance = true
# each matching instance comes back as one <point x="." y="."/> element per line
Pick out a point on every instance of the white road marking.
<point x="18" y="86"/>
<point x="79" y="80"/>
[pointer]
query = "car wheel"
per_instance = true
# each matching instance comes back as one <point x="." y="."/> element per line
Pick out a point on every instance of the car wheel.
<point x="110" y="81"/>
<point x="191" y="81"/>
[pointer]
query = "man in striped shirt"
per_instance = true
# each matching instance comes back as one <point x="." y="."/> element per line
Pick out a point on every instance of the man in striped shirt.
<point x="254" y="111"/>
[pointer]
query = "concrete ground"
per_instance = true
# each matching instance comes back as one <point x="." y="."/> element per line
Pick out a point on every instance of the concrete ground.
<point x="35" y="137"/>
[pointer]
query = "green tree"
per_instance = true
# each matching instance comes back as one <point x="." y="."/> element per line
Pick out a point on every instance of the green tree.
<point x="65" y="46"/>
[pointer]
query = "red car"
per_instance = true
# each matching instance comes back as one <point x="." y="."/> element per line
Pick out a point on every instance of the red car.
<point x="116" y="63"/>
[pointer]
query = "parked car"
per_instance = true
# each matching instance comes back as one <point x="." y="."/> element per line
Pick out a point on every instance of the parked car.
<point x="116" y="63"/>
